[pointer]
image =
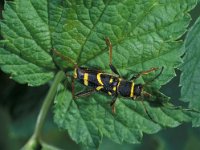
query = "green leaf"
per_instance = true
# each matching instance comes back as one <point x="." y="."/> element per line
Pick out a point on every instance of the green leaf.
<point x="144" y="35"/>
<point x="190" y="69"/>
<point x="88" y="119"/>
<point x="25" y="52"/>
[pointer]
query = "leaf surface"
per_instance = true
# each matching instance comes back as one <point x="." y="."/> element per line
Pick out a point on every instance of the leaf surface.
<point x="88" y="119"/>
<point x="144" y="35"/>
<point x="190" y="75"/>
<point x="25" y="52"/>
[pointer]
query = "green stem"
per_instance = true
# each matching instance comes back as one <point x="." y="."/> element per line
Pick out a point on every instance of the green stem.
<point x="34" y="141"/>
<point x="46" y="104"/>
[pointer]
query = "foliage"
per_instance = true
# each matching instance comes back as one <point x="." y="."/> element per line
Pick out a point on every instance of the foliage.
<point x="144" y="35"/>
<point x="190" y="69"/>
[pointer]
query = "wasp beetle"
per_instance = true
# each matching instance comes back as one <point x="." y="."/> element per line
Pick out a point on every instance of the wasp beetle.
<point x="112" y="84"/>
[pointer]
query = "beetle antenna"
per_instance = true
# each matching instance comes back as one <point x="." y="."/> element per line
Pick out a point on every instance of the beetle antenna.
<point x="155" y="76"/>
<point x="63" y="57"/>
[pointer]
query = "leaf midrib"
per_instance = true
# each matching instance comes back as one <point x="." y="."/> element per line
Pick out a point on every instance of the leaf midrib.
<point x="91" y="30"/>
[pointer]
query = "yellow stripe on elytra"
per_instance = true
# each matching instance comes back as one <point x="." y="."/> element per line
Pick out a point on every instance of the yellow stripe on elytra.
<point x="132" y="89"/>
<point x="99" y="88"/>
<point x="85" y="79"/>
<point x="114" y="88"/>
<point x="99" y="78"/>
<point x="111" y="80"/>
<point x="119" y="82"/>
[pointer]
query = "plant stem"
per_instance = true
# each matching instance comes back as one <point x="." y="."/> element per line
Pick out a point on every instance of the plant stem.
<point x="46" y="104"/>
<point x="35" y="141"/>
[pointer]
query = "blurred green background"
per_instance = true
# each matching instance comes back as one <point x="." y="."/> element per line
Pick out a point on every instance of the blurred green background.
<point x="20" y="105"/>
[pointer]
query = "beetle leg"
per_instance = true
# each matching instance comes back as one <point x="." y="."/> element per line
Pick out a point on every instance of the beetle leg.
<point x="146" y="111"/>
<point x="85" y="93"/>
<point x="112" y="104"/>
<point x="109" y="44"/>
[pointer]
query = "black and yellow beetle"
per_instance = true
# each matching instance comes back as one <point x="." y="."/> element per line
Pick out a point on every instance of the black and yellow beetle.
<point x="112" y="84"/>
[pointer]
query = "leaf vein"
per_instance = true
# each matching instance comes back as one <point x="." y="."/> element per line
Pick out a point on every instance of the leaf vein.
<point x="82" y="47"/>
